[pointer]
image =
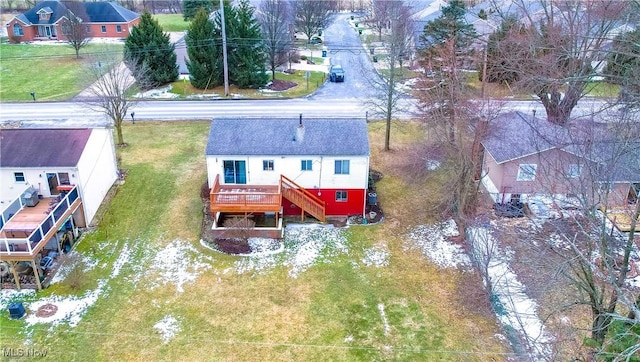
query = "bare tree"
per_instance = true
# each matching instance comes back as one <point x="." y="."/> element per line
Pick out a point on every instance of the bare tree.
<point x="239" y="228"/>
<point x="561" y="46"/>
<point x="598" y="163"/>
<point x="111" y="80"/>
<point x="378" y="17"/>
<point x="313" y="15"/>
<point x="73" y="26"/>
<point x="275" y="18"/>
<point x="387" y="84"/>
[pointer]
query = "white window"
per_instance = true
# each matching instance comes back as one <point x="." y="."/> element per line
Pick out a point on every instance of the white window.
<point x="19" y="176"/>
<point x="526" y="172"/>
<point x="103" y="28"/>
<point x="574" y="170"/>
<point x="119" y="28"/>
<point x="267" y="165"/>
<point x="341" y="196"/>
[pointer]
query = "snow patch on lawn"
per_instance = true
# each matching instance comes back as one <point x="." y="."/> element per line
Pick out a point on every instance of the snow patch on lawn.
<point x="377" y="256"/>
<point x="71" y="262"/>
<point x="515" y="308"/>
<point x="178" y="263"/>
<point x="123" y="258"/>
<point x="432" y="241"/>
<point x="308" y="244"/>
<point x="304" y="245"/>
<point x="8" y="296"/>
<point x="70" y="309"/>
<point x="168" y="327"/>
<point x="385" y="322"/>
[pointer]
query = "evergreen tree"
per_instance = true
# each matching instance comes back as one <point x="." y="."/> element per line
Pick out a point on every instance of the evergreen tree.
<point x="501" y="54"/>
<point x="190" y="8"/>
<point x="149" y="53"/>
<point x="247" y="57"/>
<point x="205" y="52"/>
<point x="450" y="25"/>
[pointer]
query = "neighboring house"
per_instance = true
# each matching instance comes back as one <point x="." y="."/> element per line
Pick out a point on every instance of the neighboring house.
<point x="47" y="21"/>
<point x="52" y="180"/>
<point x="279" y="166"/>
<point x="526" y="156"/>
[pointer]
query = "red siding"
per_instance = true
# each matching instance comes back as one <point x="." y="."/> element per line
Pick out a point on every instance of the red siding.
<point x="353" y="206"/>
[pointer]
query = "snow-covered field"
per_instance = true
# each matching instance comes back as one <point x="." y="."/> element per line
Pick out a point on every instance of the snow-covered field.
<point x="433" y="241"/>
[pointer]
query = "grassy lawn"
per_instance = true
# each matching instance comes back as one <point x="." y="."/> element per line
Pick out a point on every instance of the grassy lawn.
<point x="172" y="22"/>
<point x="303" y="88"/>
<point x="145" y="269"/>
<point x="59" y="74"/>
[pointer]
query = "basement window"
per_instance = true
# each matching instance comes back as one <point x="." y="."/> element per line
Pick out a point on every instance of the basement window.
<point x="341" y="196"/>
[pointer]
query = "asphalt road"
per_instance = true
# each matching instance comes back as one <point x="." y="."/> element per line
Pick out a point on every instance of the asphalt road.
<point x="345" y="48"/>
<point x="330" y="100"/>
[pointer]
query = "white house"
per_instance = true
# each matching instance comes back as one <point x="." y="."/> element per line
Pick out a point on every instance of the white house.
<point x="288" y="166"/>
<point x="46" y="158"/>
<point x="51" y="180"/>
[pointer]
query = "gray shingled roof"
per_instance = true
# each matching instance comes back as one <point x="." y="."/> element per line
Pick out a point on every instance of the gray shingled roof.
<point x="92" y="12"/>
<point x="57" y="8"/>
<point x="42" y="147"/>
<point x="278" y="136"/>
<point x="514" y="135"/>
<point x="108" y="12"/>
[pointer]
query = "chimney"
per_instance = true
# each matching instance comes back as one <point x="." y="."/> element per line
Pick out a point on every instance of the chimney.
<point x="300" y="130"/>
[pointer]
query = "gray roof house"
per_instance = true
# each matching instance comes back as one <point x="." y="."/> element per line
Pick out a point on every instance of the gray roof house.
<point x="288" y="166"/>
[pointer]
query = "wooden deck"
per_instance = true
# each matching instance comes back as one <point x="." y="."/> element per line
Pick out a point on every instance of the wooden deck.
<point x="27" y="220"/>
<point x="244" y="198"/>
<point x="30" y="229"/>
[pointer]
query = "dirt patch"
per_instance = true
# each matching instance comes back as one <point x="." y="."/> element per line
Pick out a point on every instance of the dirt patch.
<point x="47" y="310"/>
<point x="281" y="85"/>
<point x="232" y="246"/>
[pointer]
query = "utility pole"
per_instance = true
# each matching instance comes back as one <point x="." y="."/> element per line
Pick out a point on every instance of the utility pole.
<point x="224" y="51"/>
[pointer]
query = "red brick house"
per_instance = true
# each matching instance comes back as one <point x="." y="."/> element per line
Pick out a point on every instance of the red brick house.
<point x="47" y="20"/>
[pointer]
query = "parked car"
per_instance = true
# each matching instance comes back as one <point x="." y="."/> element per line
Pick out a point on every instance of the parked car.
<point x="336" y="73"/>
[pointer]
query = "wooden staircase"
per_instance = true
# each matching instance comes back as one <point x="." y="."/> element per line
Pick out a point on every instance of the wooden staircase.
<point x="304" y="199"/>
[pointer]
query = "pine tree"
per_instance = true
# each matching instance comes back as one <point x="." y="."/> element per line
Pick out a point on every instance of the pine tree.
<point x="451" y="25"/>
<point x="205" y="53"/>
<point x="501" y="55"/>
<point x="247" y="57"/>
<point x="149" y="54"/>
<point x="190" y="8"/>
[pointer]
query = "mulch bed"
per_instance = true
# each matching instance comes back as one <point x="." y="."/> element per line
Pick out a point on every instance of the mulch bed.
<point x="281" y="85"/>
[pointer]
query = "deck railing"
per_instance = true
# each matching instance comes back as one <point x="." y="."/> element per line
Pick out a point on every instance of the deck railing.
<point x="14" y="246"/>
<point x="245" y="200"/>
<point x="304" y="199"/>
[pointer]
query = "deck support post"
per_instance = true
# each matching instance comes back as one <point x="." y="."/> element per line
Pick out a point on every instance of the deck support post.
<point x="12" y="266"/>
<point x="36" y="273"/>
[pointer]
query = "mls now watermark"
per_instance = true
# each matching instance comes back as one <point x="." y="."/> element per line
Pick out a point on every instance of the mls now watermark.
<point x="23" y="352"/>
